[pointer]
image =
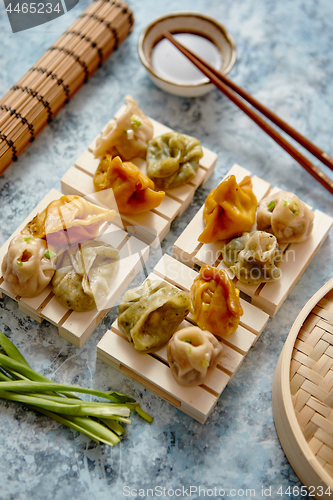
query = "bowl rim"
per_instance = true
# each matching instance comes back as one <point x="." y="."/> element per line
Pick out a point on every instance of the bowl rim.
<point x="229" y="38"/>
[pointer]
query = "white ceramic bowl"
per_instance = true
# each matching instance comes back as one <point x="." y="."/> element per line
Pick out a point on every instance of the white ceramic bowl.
<point x="193" y="23"/>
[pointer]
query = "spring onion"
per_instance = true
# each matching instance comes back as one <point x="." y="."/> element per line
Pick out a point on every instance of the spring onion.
<point x="99" y="420"/>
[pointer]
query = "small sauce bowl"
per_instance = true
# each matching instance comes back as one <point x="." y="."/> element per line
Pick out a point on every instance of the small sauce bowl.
<point x="172" y="71"/>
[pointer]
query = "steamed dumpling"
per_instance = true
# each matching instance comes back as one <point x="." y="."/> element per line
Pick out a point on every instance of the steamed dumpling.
<point x="133" y="191"/>
<point x="126" y="135"/>
<point x="84" y="274"/>
<point x="68" y="220"/>
<point x="215" y="302"/>
<point x="286" y="216"/>
<point x="151" y="313"/>
<point x="253" y="257"/>
<point x="229" y="210"/>
<point x="192" y="354"/>
<point x="173" y="159"/>
<point x="27" y="267"/>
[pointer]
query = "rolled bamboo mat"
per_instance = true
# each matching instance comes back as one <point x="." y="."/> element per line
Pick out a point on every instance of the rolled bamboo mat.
<point x="49" y="84"/>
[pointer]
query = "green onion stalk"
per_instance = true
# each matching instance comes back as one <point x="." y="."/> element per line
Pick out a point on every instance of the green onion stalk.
<point x="99" y="420"/>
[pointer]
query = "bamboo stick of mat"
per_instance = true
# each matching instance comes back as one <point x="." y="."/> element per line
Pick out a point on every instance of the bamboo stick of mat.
<point x="49" y="84"/>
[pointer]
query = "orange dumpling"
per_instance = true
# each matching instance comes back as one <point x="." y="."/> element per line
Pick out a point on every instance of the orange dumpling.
<point x="215" y="302"/>
<point x="132" y="189"/>
<point x="230" y="209"/>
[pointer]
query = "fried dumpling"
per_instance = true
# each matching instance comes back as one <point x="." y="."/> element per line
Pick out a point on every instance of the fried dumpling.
<point x="27" y="266"/>
<point x="229" y="210"/>
<point x="215" y="302"/>
<point x="133" y="191"/>
<point x="286" y="216"/>
<point x="68" y="220"/>
<point x="84" y="274"/>
<point x="192" y="354"/>
<point x="173" y="159"/>
<point x="151" y="313"/>
<point x="254" y="257"/>
<point x="127" y="135"/>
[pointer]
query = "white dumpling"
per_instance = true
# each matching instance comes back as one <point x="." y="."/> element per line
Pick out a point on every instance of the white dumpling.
<point x="286" y="216"/>
<point x="253" y="257"/>
<point x="127" y="135"/>
<point x="192" y="354"/>
<point x="84" y="274"/>
<point x="27" y="267"/>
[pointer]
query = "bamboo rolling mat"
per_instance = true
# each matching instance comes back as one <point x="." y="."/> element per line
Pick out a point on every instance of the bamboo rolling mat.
<point x="49" y="84"/>
<point x="302" y="394"/>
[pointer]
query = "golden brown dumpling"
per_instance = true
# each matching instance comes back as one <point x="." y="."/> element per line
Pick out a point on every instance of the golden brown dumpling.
<point x="27" y="266"/>
<point x="133" y="191"/>
<point x="286" y="216"/>
<point x="215" y="302"/>
<point x="127" y="135"/>
<point x="151" y="313"/>
<point x="229" y="210"/>
<point x="192" y="354"/>
<point x="68" y="220"/>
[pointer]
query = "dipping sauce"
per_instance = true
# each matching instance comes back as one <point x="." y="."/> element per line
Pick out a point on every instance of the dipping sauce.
<point x="172" y="65"/>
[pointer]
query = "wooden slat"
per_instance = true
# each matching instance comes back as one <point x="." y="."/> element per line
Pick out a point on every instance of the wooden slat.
<point x="153" y="372"/>
<point x="269" y="296"/>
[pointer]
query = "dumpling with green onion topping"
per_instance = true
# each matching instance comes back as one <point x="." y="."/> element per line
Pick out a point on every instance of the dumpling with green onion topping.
<point x="286" y="216"/>
<point x="126" y="135"/>
<point x="173" y="159"/>
<point x="27" y="266"/>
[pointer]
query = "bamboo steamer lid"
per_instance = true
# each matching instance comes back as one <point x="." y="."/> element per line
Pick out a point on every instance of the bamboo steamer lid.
<point x="302" y="394"/>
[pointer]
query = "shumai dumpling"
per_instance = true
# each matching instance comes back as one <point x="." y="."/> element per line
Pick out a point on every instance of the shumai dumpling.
<point x="127" y="135"/>
<point x="27" y="266"/>
<point x="84" y="274"/>
<point x="68" y="220"/>
<point x="254" y="257"/>
<point x="286" y="216"/>
<point x="229" y="210"/>
<point x="192" y="354"/>
<point x="151" y="313"/>
<point x="131" y="188"/>
<point x="215" y="302"/>
<point x="173" y="159"/>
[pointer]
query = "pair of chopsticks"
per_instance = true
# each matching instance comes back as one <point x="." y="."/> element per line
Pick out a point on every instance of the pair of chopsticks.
<point x="231" y="90"/>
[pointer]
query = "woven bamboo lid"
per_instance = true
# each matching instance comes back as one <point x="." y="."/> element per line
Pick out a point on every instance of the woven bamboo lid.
<point x="303" y="394"/>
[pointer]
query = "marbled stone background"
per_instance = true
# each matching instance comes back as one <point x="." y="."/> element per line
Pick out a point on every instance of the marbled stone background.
<point x="285" y="59"/>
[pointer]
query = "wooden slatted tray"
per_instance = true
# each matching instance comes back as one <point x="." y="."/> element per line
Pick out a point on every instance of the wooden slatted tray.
<point x="303" y="394"/>
<point x="270" y="296"/>
<point x="76" y="327"/>
<point x="154" y="225"/>
<point x="152" y="370"/>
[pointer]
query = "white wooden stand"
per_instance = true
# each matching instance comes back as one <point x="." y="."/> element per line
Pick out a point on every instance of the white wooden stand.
<point x="76" y="327"/>
<point x="152" y="370"/>
<point x="269" y="296"/>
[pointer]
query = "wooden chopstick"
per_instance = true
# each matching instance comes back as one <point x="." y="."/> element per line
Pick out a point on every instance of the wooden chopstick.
<point x="229" y="88"/>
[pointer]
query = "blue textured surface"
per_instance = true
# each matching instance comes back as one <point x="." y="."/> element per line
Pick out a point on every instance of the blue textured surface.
<point x="285" y="59"/>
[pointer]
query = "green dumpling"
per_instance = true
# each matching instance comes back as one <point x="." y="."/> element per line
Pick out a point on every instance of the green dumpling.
<point x="151" y="313"/>
<point x="173" y="159"/>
